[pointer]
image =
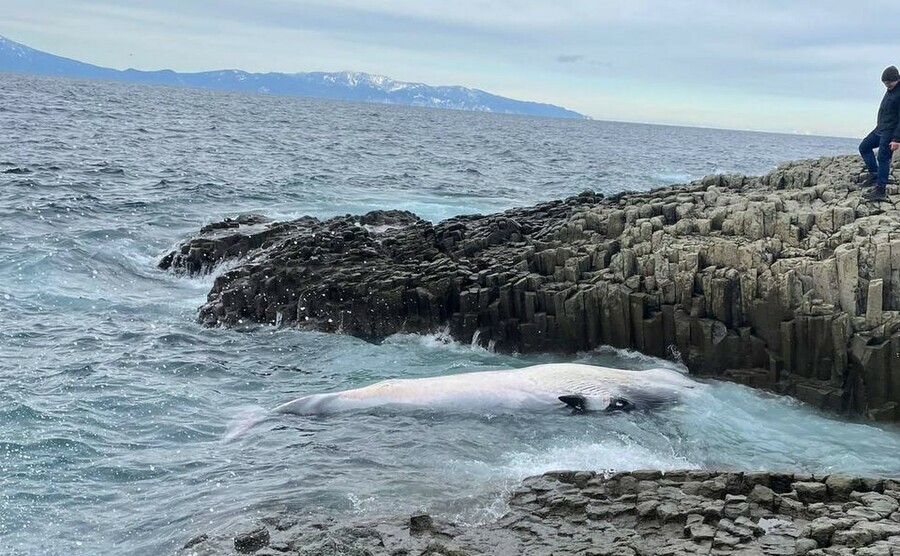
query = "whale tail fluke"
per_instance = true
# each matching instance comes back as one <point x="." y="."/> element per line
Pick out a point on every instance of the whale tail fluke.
<point x="243" y="422"/>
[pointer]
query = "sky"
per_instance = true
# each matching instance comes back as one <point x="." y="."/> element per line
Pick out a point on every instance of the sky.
<point x="794" y="66"/>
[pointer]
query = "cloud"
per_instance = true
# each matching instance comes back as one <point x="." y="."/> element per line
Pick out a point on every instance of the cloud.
<point x="733" y="52"/>
<point x="569" y="58"/>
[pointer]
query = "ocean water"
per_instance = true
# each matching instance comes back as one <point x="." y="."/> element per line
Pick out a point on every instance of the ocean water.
<point x="114" y="402"/>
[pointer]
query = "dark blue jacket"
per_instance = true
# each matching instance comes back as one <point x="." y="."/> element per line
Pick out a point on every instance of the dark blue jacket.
<point x="889" y="114"/>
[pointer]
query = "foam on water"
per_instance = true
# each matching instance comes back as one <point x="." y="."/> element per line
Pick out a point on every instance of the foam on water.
<point x="114" y="401"/>
<point x="619" y="453"/>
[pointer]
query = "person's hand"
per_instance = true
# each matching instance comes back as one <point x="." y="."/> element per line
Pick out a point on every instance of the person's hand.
<point x="895" y="145"/>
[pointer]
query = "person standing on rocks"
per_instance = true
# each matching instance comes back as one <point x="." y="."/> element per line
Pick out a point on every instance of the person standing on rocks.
<point x="885" y="137"/>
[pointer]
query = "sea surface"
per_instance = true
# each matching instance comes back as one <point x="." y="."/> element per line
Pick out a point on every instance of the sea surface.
<point x="114" y="402"/>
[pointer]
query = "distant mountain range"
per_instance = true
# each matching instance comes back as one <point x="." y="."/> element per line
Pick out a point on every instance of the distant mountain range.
<point x="355" y="86"/>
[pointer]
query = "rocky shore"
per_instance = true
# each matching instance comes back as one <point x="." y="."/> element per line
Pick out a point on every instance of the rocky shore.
<point x="789" y="281"/>
<point x="627" y="514"/>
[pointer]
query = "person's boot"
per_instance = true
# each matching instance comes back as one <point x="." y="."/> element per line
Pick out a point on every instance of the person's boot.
<point x="876" y="194"/>
<point x="868" y="178"/>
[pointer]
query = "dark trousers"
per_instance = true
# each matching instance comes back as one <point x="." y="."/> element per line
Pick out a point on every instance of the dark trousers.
<point x="880" y="166"/>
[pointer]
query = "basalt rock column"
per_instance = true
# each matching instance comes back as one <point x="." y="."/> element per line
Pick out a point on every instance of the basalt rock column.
<point x="788" y="281"/>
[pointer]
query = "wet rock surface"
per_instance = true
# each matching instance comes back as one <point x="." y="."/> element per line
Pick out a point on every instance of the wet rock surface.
<point x="788" y="281"/>
<point x="637" y="513"/>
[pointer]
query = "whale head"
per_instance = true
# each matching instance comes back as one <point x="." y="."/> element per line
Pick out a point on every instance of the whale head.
<point x="648" y="390"/>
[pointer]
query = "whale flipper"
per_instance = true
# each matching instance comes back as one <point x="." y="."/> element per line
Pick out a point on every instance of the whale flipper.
<point x="575" y="401"/>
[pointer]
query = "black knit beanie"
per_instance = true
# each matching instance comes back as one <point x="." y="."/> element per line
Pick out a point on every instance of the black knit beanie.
<point x="890" y="74"/>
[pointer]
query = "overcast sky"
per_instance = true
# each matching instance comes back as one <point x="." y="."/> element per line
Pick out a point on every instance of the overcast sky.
<point x="787" y="65"/>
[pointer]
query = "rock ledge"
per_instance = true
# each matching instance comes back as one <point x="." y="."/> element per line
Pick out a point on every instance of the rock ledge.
<point x="639" y="513"/>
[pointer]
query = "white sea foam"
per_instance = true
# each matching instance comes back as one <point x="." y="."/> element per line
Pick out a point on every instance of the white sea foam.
<point x="620" y="453"/>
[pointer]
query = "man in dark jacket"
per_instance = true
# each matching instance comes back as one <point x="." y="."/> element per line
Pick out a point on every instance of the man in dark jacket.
<point x="885" y="137"/>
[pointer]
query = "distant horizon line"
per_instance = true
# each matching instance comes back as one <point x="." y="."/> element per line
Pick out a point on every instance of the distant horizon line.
<point x="351" y="71"/>
<point x="697" y="126"/>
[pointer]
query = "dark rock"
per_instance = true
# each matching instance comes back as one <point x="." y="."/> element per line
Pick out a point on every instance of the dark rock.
<point x="421" y="523"/>
<point x="196" y="540"/>
<point x="840" y="486"/>
<point x="250" y="542"/>
<point x="762" y="495"/>
<point x="805" y="546"/>
<point x="820" y="530"/>
<point x="809" y="492"/>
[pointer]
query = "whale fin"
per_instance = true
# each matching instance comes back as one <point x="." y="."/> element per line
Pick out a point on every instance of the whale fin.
<point x="575" y="401"/>
<point x="243" y="422"/>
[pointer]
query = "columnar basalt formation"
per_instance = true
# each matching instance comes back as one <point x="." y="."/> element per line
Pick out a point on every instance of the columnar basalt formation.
<point x="789" y="281"/>
<point x="639" y="513"/>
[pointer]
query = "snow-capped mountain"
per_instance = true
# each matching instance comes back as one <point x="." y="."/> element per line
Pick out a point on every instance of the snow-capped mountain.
<point x="346" y="85"/>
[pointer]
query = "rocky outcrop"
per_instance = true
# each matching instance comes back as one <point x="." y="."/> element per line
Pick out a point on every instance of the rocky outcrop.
<point x="788" y="281"/>
<point x="627" y="514"/>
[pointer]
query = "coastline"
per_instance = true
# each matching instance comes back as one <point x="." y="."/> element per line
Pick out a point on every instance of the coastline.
<point x="788" y="281"/>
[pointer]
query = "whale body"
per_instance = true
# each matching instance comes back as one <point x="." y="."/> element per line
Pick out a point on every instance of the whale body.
<point x="539" y="387"/>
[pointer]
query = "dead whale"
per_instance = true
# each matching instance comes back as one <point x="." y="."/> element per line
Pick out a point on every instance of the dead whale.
<point x="539" y="387"/>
